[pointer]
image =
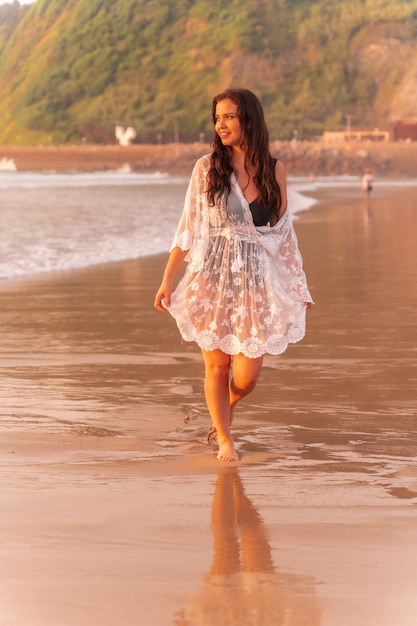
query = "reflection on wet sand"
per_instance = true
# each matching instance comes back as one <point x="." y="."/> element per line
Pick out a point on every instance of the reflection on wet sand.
<point x="242" y="585"/>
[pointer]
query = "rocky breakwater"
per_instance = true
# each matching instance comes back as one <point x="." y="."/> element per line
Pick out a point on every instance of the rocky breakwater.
<point x="301" y="158"/>
<point x="385" y="159"/>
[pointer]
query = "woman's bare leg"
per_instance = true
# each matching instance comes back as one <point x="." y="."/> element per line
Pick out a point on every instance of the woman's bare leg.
<point x="216" y="387"/>
<point x="245" y="375"/>
<point x="222" y="395"/>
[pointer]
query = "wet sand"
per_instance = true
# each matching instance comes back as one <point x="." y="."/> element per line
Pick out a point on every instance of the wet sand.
<point x="114" y="509"/>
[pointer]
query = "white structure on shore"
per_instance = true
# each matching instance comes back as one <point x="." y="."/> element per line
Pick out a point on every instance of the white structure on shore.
<point x="125" y="136"/>
<point x="7" y="165"/>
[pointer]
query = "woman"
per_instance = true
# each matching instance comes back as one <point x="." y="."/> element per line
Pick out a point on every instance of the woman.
<point x="244" y="292"/>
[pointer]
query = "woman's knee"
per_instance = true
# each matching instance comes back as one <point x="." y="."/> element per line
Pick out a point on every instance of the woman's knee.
<point x="245" y="375"/>
<point x="242" y="385"/>
<point x="217" y="364"/>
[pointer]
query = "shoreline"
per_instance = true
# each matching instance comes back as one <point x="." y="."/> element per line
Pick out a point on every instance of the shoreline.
<point x="316" y="190"/>
<point x="387" y="159"/>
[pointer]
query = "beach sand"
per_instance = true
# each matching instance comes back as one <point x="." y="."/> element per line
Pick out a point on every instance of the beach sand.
<point x="115" y="510"/>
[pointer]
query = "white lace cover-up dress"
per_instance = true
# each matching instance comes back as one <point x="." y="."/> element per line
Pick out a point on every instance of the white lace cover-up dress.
<point x="244" y="289"/>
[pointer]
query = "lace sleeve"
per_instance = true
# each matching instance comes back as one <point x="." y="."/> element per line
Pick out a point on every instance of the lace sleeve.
<point x="189" y="226"/>
<point x="292" y="264"/>
<point x="281" y="244"/>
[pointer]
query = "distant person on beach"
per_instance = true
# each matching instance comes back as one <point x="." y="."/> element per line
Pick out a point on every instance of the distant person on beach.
<point x="367" y="183"/>
<point x="244" y="292"/>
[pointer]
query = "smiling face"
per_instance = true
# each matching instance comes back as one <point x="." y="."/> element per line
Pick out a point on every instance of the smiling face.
<point x="227" y="124"/>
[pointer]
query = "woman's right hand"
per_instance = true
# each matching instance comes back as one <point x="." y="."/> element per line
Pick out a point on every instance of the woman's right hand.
<point x="163" y="298"/>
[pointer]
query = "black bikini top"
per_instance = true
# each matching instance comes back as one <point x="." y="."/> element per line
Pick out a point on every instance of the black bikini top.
<point x="261" y="214"/>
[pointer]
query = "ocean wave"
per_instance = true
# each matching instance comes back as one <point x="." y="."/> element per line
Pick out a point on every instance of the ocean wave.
<point x="113" y="178"/>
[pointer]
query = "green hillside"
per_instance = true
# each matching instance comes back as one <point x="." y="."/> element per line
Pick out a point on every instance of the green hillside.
<point x="75" y="68"/>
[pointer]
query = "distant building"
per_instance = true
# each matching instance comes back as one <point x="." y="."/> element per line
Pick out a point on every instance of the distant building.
<point x="405" y="130"/>
<point x="356" y="135"/>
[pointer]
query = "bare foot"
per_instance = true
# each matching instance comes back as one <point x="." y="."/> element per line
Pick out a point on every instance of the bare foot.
<point x="227" y="452"/>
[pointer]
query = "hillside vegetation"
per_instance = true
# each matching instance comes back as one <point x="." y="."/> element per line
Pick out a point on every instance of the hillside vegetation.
<point x="73" y="69"/>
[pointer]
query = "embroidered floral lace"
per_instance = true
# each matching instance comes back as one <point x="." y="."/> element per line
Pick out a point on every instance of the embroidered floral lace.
<point x="244" y="289"/>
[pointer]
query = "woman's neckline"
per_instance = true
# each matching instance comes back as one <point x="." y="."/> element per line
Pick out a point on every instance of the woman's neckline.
<point x="236" y="182"/>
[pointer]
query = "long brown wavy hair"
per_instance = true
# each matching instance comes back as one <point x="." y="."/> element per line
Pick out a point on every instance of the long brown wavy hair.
<point x="257" y="155"/>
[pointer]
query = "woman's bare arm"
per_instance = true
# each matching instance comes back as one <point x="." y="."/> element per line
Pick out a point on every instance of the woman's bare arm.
<point x="281" y="179"/>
